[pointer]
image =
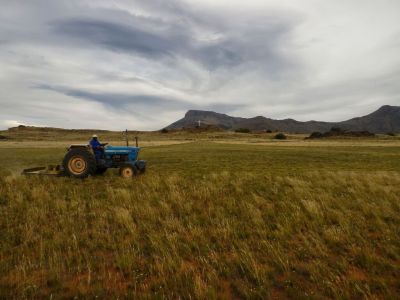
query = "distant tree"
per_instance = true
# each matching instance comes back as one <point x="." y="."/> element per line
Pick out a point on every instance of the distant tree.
<point x="2" y="137"/>
<point x="280" y="136"/>
<point x="391" y="134"/>
<point x="164" y="130"/>
<point x="242" y="130"/>
<point x="269" y="131"/>
<point x="316" y="135"/>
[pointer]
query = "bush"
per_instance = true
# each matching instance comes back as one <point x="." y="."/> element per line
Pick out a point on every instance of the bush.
<point x="2" y="137"/>
<point x="280" y="136"/>
<point x="269" y="131"/>
<point x="164" y="130"/>
<point x="337" y="130"/>
<point x="242" y="130"/>
<point x="391" y="133"/>
<point x="316" y="135"/>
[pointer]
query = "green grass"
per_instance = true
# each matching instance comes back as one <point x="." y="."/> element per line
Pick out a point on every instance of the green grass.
<point x="206" y="221"/>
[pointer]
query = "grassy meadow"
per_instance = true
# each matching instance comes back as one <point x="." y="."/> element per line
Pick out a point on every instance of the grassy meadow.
<point x="216" y="216"/>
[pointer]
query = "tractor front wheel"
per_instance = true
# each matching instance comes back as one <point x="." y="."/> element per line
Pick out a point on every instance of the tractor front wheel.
<point x="127" y="171"/>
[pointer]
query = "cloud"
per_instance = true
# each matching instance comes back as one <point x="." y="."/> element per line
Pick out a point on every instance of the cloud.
<point x="114" y="100"/>
<point x="11" y="123"/>
<point x="145" y="62"/>
<point x="120" y="101"/>
<point x="118" y="37"/>
<point x="154" y="40"/>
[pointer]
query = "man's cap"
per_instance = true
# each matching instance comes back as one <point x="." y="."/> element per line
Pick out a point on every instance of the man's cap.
<point x="94" y="136"/>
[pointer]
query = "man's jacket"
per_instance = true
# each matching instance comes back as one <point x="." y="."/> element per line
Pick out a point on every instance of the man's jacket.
<point x="96" y="146"/>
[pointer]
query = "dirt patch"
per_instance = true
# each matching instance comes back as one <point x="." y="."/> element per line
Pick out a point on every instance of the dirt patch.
<point x="278" y="294"/>
<point x="357" y="274"/>
<point x="227" y="291"/>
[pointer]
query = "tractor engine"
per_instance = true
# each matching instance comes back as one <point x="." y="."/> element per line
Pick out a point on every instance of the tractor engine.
<point x="118" y="158"/>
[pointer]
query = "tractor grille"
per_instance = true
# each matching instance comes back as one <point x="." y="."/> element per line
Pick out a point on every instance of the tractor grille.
<point x="120" y="158"/>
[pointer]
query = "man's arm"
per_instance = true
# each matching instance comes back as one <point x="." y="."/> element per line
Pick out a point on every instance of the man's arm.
<point x="95" y="144"/>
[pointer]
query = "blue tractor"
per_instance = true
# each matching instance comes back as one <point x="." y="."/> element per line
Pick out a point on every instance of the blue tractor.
<point x="81" y="161"/>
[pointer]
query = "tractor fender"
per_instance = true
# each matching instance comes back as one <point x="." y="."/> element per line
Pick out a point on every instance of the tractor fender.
<point x="140" y="165"/>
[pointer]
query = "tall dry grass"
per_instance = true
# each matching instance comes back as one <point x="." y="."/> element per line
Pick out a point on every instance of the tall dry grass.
<point x="222" y="234"/>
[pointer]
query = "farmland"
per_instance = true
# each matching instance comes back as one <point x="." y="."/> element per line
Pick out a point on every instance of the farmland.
<point x="218" y="215"/>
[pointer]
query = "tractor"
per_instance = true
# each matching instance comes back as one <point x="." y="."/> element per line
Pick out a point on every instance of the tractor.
<point x="80" y="161"/>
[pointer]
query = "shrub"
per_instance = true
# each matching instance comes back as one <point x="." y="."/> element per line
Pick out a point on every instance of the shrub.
<point x="2" y="137"/>
<point x="242" y="130"/>
<point x="316" y="135"/>
<point x="280" y="136"/>
<point x="164" y="130"/>
<point x="337" y="130"/>
<point x="391" y="133"/>
<point x="269" y="131"/>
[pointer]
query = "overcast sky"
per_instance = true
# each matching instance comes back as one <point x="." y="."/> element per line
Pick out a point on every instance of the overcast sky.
<point x="142" y="64"/>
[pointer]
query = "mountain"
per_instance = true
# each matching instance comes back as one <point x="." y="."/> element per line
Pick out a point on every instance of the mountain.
<point x="385" y="119"/>
<point x="206" y="117"/>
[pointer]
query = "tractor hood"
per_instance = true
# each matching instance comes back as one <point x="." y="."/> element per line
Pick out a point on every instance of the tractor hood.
<point x="122" y="149"/>
<point x="132" y="152"/>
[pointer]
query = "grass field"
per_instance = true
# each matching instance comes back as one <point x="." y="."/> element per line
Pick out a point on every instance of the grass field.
<point x="212" y="218"/>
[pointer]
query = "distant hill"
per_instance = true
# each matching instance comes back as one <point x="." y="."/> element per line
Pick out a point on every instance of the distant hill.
<point x="385" y="119"/>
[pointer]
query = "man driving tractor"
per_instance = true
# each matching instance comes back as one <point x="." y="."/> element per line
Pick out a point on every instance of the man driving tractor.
<point x="97" y="147"/>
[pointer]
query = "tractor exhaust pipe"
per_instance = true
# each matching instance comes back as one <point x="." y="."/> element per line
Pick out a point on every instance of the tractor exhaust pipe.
<point x="127" y="140"/>
<point x="126" y="137"/>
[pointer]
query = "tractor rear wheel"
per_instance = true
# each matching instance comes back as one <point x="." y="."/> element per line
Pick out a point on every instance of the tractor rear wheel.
<point x="127" y="171"/>
<point x="79" y="163"/>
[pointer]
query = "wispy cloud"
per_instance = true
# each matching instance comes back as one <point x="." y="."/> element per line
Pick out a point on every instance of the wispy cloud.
<point x="72" y="63"/>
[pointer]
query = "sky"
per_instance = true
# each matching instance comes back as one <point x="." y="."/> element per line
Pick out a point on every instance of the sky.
<point x="141" y="64"/>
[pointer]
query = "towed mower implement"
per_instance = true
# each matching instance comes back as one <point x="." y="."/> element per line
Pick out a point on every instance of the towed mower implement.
<point x="51" y="170"/>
